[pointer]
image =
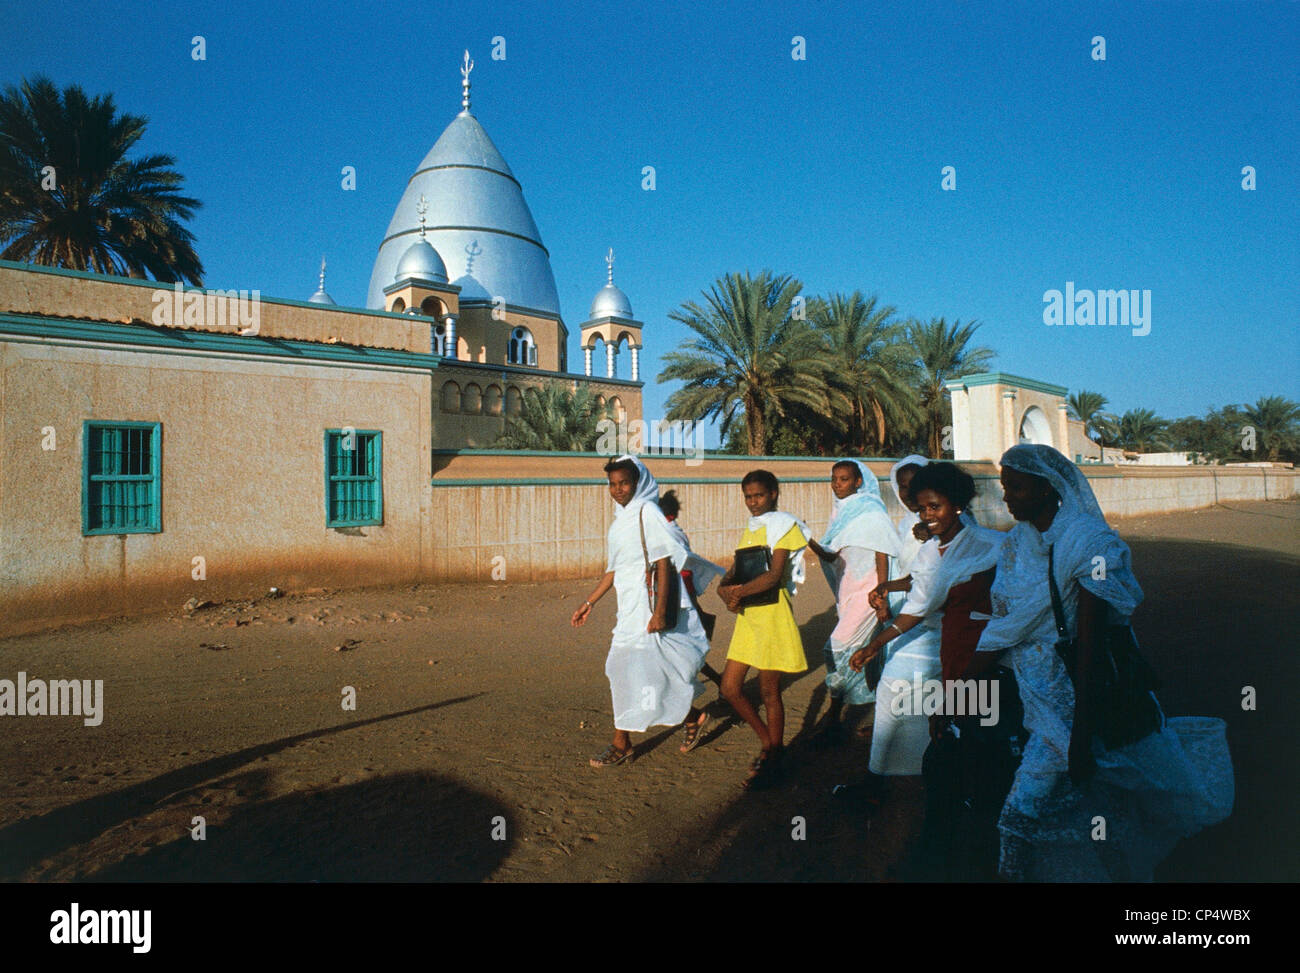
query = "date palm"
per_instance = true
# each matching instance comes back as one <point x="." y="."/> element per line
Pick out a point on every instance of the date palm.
<point x="751" y="360"/>
<point x="554" y="419"/>
<point x="69" y="196"/>
<point x="1142" y="431"/>
<point x="1087" y="408"/>
<point x="1275" y="422"/>
<point x="872" y="370"/>
<point x="941" y="354"/>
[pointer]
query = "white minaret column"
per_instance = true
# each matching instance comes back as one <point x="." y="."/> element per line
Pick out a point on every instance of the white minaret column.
<point x="636" y="363"/>
<point x="449" y="345"/>
<point x="609" y="359"/>
<point x="586" y="359"/>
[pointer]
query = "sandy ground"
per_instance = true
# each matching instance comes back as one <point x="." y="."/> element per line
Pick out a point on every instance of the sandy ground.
<point x="477" y="707"/>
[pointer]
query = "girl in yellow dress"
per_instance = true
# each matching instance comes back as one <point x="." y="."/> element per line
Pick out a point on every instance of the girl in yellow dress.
<point x="766" y="636"/>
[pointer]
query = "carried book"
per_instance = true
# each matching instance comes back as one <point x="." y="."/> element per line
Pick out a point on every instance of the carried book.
<point x="754" y="562"/>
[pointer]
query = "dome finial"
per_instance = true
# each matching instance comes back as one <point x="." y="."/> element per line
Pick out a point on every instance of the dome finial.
<point x="609" y="259"/>
<point x="466" y="67"/>
<point x="472" y="251"/>
<point x="322" y="273"/>
<point x="422" y="207"/>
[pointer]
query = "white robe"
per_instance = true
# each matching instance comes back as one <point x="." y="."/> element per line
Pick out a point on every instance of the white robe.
<point x="1151" y="793"/>
<point x="652" y="676"/>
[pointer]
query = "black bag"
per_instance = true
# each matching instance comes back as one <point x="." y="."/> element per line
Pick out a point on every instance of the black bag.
<point x="674" y="584"/>
<point x="754" y="562"/>
<point x="1126" y="711"/>
<point x="967" y="778"/>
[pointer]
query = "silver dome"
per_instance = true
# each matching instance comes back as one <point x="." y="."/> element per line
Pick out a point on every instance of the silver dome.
<point x="473" y="200"/>
<point x="610" y="302"/>
<point x="320" y="297"/>
<point x="421" y="262"/>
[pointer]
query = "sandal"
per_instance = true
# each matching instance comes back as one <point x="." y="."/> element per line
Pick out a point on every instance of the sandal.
<point x="611" y="756"/>
<point x="694" y="733"/>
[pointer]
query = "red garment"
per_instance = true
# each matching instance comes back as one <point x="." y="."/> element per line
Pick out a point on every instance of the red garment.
<point x="961" y="633"/>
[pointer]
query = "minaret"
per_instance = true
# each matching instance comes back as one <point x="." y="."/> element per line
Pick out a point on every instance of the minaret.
<point x="611" y="320"/>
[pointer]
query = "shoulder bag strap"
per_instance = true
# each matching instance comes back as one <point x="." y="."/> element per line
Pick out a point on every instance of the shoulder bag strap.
<point x="645" y="557"/>
<point x="1057" y="608"/>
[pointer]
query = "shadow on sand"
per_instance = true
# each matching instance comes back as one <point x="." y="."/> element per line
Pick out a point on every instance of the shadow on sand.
<point x="27" y="843"/>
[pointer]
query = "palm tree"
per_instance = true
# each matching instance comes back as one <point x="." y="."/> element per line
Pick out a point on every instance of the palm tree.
<point x="1087" y="408"/>
<point x="940" y="353"/>
<point x="1274" y="419"/>
<point x="1142" y="431"/>
<point x="69" y="197"/>
<point x="871" y="367"/>
<point x="554" y="419"/>
<point x="751" y="359"/>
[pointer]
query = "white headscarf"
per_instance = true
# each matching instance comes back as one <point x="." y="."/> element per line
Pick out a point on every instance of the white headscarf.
<point x="860" y="519"/>
<point x="911" y="460"/>
<point x="1082" y="535"/>
<point x="1084" y="550"/>
<point x="671" y="541"/>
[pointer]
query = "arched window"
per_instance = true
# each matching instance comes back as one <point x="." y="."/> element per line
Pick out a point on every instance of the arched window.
<point x="431" y="307"/>
<point x="492" y="401"/>
<point x="514" y="401"/>
<point x="398" y="307"/>
<point x="451" y="397"/>
<point x="602" y="408"/>
<point x="471" y="400"/>
<point x="440" y="339"/>
<point x="1034" y="427"/>
<point x="522" y="350"/>
<point x="616" y="409"/>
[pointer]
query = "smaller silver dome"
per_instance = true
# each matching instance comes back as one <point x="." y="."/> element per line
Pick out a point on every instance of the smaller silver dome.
<point x="320" y="297"/>
<point x="611" y="302"/>
<point x="421" y="262"/>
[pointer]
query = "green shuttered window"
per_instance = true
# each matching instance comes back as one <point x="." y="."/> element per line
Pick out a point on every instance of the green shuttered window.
<point x="121" y="481"/>
<point x="354" y="495"/>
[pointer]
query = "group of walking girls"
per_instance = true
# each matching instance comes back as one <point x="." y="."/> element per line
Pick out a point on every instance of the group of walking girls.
<point x="926" y="599"/>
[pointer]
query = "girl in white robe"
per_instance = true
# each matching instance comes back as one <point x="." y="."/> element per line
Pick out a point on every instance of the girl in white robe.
<point x="1151" y="793"/>
<point x="652" y="670"/>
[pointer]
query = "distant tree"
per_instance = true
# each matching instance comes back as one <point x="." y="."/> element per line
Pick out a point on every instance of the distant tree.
<point x="1088" y="408"/>
<point x="1276" y="424"/>
<point x="1142" y="431"/>
<point x="871" y="368"/>
<point x="941" y="353"/>
<point x="69" y="196"/>
<point x="554" y="419"/>
<point x="751" y="361"/>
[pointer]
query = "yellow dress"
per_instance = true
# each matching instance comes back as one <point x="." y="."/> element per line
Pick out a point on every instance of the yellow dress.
<point x="766" y="636"/>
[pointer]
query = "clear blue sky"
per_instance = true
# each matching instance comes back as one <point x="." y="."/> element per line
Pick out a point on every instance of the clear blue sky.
<point x="1117" y="174"/>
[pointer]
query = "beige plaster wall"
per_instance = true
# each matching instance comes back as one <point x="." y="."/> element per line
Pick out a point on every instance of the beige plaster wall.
<point x="242" y="478"/>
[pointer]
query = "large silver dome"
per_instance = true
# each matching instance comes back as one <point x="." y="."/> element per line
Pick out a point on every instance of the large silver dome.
<point x="421" y="262"/>
<point x="610" y="302"/>
<point x="474" y="202"/>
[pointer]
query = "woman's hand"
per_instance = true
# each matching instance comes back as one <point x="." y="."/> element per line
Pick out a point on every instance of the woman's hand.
<point x="921" y="532"/>
<point x="658" y="623"/>
<point x="729" y="597"/>
<point x="878" y="597"/>
<point x="861" y="657"/>
<point x="580" y="616"/>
